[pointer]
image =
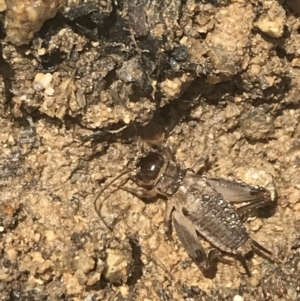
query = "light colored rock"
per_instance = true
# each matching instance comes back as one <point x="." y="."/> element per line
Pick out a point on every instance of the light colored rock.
<point x="3" y="5"/>
<point x="117" y="266"/>
<point x="273" y="21"/>
<point x="85" y="263"/>
<point x="72" y="284"/>
<point x="25" y="17"/>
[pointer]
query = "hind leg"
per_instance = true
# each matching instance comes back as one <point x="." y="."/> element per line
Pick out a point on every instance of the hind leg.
<point x="251" y="246"/>
<point x="188" y="237"/>
<point x="263" y="252"/>
<point x="252" y="209"/>
<point x="242" y="260"/>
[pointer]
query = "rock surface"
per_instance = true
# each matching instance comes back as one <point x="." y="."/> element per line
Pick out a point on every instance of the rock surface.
<point x="94" y="78"/>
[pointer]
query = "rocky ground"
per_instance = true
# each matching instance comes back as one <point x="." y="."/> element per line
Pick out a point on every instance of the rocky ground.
<point x="83" y="83"/>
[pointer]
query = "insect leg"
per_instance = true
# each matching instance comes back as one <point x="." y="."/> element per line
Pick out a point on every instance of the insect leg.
<point x="196" y="168"/>
<point x="252" y="209"/>
<point x="216" y="255"/>
<point x="200" y="163"/>
<point x="167" y="217"/>
<point x="98" y="202"/>
<point x="263" y="252"/>
<point x="189" y="239"/>
<point x="242" y="259"/>
<point x="259" y="247"/>
<point x="141" y="192"/>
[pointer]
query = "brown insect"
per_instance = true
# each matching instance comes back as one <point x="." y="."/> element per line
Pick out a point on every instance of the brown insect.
<point x="199" y="207"/>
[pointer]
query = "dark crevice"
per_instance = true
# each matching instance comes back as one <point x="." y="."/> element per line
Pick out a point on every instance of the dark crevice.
<point x="137" y="269"/>
<point x="7" y="74"/>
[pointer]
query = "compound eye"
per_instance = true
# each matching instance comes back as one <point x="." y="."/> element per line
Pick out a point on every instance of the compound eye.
<point x="150" y="166"/>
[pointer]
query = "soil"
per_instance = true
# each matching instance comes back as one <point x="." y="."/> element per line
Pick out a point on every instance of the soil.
<point x="84" y="84"/>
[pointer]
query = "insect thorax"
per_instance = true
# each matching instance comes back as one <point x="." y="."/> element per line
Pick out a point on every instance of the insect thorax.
<point x="171" y="179"/>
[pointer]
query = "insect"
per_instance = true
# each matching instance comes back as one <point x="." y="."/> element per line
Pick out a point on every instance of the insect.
<point x="198" y="206"/>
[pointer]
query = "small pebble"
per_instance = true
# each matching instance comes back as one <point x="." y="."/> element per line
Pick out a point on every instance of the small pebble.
<point x="238" y="298"/>
<point x="49" y="91"/>
<point x="42" y="81"/>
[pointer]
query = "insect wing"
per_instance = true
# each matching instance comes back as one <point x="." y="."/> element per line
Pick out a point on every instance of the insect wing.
<point x="238" y="191"/>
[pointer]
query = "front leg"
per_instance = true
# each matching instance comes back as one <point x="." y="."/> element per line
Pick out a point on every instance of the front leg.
<point x="167" y="218"/>
<point x="141" y="192"/>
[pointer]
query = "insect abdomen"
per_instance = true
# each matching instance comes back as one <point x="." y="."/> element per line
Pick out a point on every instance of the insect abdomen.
<point x="216" y="219"/>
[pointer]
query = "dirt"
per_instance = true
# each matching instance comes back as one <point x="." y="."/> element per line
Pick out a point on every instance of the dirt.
<point x="83" y="83"/>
